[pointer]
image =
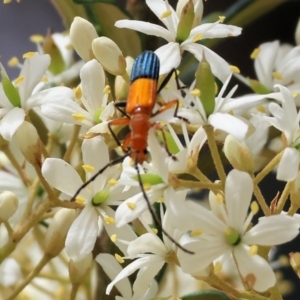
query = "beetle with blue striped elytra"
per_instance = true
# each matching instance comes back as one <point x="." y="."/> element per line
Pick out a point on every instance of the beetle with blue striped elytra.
<point x="140" y="103"/>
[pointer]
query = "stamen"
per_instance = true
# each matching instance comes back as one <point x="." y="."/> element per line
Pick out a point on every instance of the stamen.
<point x="261" y="108"/>
<point x="78" y="92"/>
<point x="29" y="54"/>
<point x="112" y="182"/>
<point x="195" y="92"/>
<point x="220" y="198"/>
<point x="154" y="230"/>
<point x="254" y="207"/>
<point x="79" y="117"/>
<point x="36" y="38"/>
<point x="44" y="79"/>
<point x="160" y="200"/>
<point x="13" y="62"/>
<point x="217" y="267"/>
<point x="119" y="258"/>
<point x="19" y="80"/>
<point x="196" y="232"/>
<point x="80" y="200"/>
<point x="113" y="238"/>
<point x="109" y="220"/>
<point x="277" y="75"/>
<point x="88" y="168"/>
<point x="6" y="1"/>
<point x="295" y="94"/>
<point x="166" y="14"/>
<point x="222" y="18"/>
<point x="106" y="90"/>
<point x="253" y="250"/>
<point x="197" y="37"/>
<point x="131" y="205"/>
<point x="255" y="53"/>
<point x="147" y="186"/>
<point x="235" y="69"/>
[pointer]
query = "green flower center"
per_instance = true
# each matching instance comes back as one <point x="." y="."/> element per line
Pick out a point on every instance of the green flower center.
<point x="149" y="179"/>
<point x="100" y="197"/>
<point x="232" y="236"/>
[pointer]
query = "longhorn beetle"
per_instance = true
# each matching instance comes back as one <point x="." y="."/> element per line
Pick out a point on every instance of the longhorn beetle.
<point x="139" y="109"/>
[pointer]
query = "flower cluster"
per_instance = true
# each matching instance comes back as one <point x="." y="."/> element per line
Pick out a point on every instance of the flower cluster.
<point x="78" y="188"/>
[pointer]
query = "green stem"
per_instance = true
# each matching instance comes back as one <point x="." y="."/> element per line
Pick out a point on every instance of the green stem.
<point x="73" y="142"/>
<point x="214" y="153"/>
<point x="284" y="197"/>
<point x="261" y="200"/>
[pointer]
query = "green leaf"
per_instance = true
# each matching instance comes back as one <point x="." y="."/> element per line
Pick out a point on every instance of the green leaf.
<point x="11" y="92"/>
<point x="206" y="295"/>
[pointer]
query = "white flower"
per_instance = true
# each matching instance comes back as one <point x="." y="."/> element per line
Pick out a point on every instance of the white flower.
<point x="14" y="106"/>
<point x="98" y="198"/>
<point x="170" y="54"/>
<point x="286" y="119"/>
<point x="226" y="234"/>
<point x="151" y="253"/>
<point x="94" y="99"/>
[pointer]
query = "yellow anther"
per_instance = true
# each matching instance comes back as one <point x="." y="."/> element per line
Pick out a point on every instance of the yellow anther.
<point x="254" y="207"/>
<point x="253" y="250"/>
<point x="277" y="75"/>
<point x="166" y="14"/>
<point x="13" y="62"/>
<point x="132" y="163"/>
<point x="154" y="230"/>
<point x="113" y="238"/>
<point x="217" y="267"/>
<point x="254" y="53"/>
<point x="106" y="90"/>
<point x="160" y="200"/>
<point x="44" y="79"/>
<point x="220" y="198"/>
<point x="167" y="86"/>
<point x="177" y="74"/>
<point x="19" y="80"/>
<point x="235" y="69"/>
<point x="88" y="168"/>
<point x="37" y="38"/>
<point x="197" y="37"/>
<point x="78" y="92"/>
<point x="69" y="47"/>
<point x="261" y="108"/>
<point x="112" y="182"/>
<point x="80" y="200"/>
<point x="78" y="117"/>
<point x="222" y="18"/>
<point x="131" y="205"/>
<point x="196" y="232"/>
<point x="147" y="186"/>
<point x="6" y="1"/>
<point x="216" y="89"/>
<point x="119" y="258"/>
<point x="295" y="94"/>
<point x="195" y="92"/>
<point x="109" y="220"/>
<point x="29" y="54"/>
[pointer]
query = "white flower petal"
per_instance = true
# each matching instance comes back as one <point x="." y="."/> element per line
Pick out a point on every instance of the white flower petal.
<point x="255" y="270"/>
<point x="147" y="28"/>
<point x="272" y="230"/>
<point x="82" y="234"/>
<point x="169" y="57"/>
<point x="238" y="194"/>
<point x="92" y="81"/>
<point x="127" y="271"/>
<point x="112" y="269"/>
<point x="11" y="122"/>
<point x="288" y="165"/>
<point x="233" y="125"/>
<point x="62" y="176"/>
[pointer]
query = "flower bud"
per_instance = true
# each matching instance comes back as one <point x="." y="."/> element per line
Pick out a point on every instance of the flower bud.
<point x="8" y="205"/>
<point x="198" y="10"/>
<point x="121" y="85"/>
<point x="206" y="84"/>
<point x="79" y="270"/>
<point x="109" y="55"/>
<point x="238" y="155"/>
<point x="29" y="143"/>
<point x="57" y="231"/>
<point x="82" y="34"/>
<point x="297" y="33"/>
<point x="185" y="22"/>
